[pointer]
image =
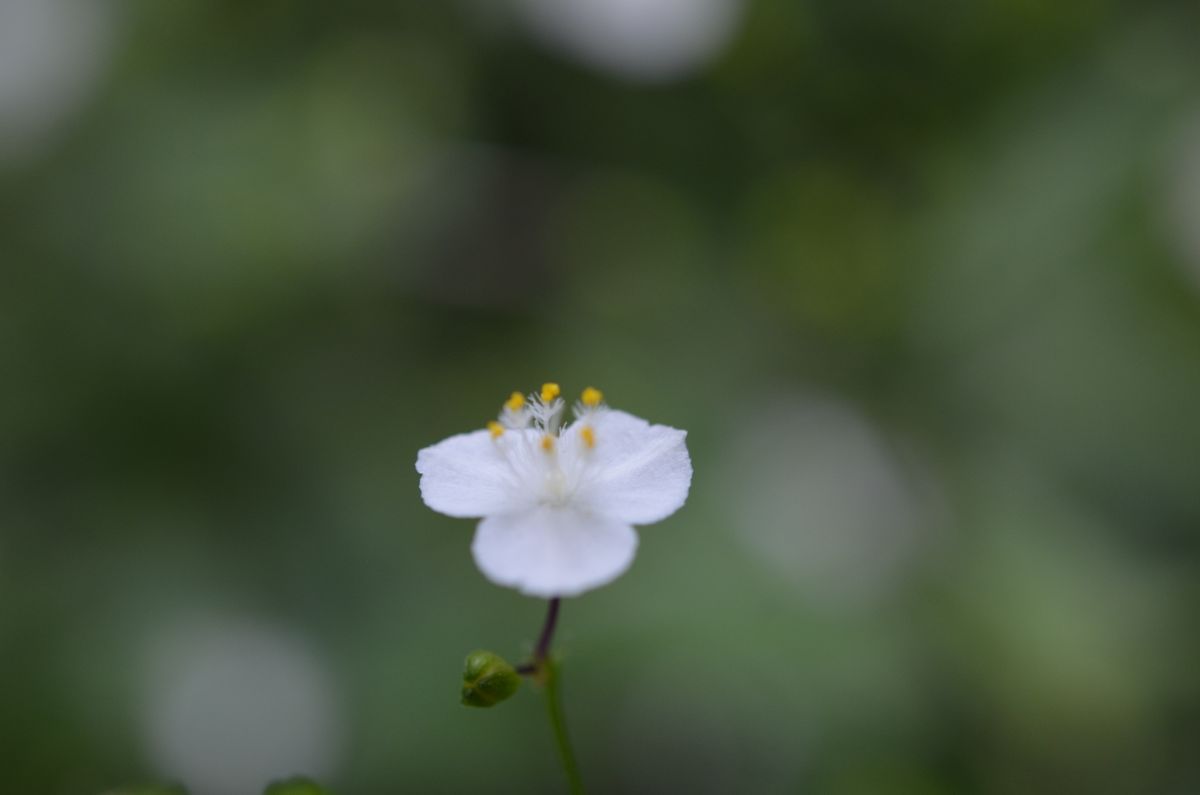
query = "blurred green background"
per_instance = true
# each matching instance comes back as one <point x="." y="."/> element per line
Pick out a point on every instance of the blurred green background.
<point x="922" y="280"/>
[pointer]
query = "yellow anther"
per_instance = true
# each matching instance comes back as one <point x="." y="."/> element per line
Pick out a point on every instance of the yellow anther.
<point x="592" y="397"/>
<point x="548" y="443"/>
<point x="549" y="392"/>
<point x="589" y="436"/>
<point x="515" y="401"/>
<point x="495" y="428"/>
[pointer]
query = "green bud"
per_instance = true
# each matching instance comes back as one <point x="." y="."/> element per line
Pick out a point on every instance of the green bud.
<point x="295" y="786"/>
<point x="488" y="679"/>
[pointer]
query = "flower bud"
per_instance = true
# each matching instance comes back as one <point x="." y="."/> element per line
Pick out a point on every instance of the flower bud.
<point x="488" y="679"/>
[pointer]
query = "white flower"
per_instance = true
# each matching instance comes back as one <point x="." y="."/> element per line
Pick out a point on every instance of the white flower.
<point x="558" y="502"/>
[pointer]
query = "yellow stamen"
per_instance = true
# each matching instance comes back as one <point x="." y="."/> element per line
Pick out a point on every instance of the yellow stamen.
<point x="515" y="401"/>
<point x="549" y="392"/>
<point x="589" y="436"/>
<point x="592" y="397"/>
<point x="496" y="429"/>
<point x="548" y="443"/>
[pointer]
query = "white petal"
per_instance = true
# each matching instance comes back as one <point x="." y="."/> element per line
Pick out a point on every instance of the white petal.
<point x="639" y="473"/>
<point x="468" y="475"/>
<point x="552" y="552"/>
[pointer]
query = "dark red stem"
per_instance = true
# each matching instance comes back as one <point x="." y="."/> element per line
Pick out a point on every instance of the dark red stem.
<point x="542" y="650"/>
<point x="543" y="647"/>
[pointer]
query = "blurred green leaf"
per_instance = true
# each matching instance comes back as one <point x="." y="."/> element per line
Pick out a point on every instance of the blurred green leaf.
<point x="295" y="786"/>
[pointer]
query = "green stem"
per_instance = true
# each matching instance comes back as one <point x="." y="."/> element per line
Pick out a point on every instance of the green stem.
<point x="559" y="724"/>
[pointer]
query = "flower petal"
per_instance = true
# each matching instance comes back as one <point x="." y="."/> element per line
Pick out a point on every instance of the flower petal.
<point x="639" y="473"/>
<point x="551" y="552"/>
<point x="468" y="475"/>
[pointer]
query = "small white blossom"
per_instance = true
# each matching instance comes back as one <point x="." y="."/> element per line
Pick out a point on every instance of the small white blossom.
<point x="558" y="501"/>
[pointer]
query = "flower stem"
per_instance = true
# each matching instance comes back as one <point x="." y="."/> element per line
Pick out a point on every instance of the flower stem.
<point x="544" y="669"/>
<point x="559" y="724"/>
<point x="543" y="646"/>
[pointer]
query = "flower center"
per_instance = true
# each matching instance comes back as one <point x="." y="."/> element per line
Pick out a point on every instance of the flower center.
<point x="537" y="460"/>
<point x="555" y="490"/>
